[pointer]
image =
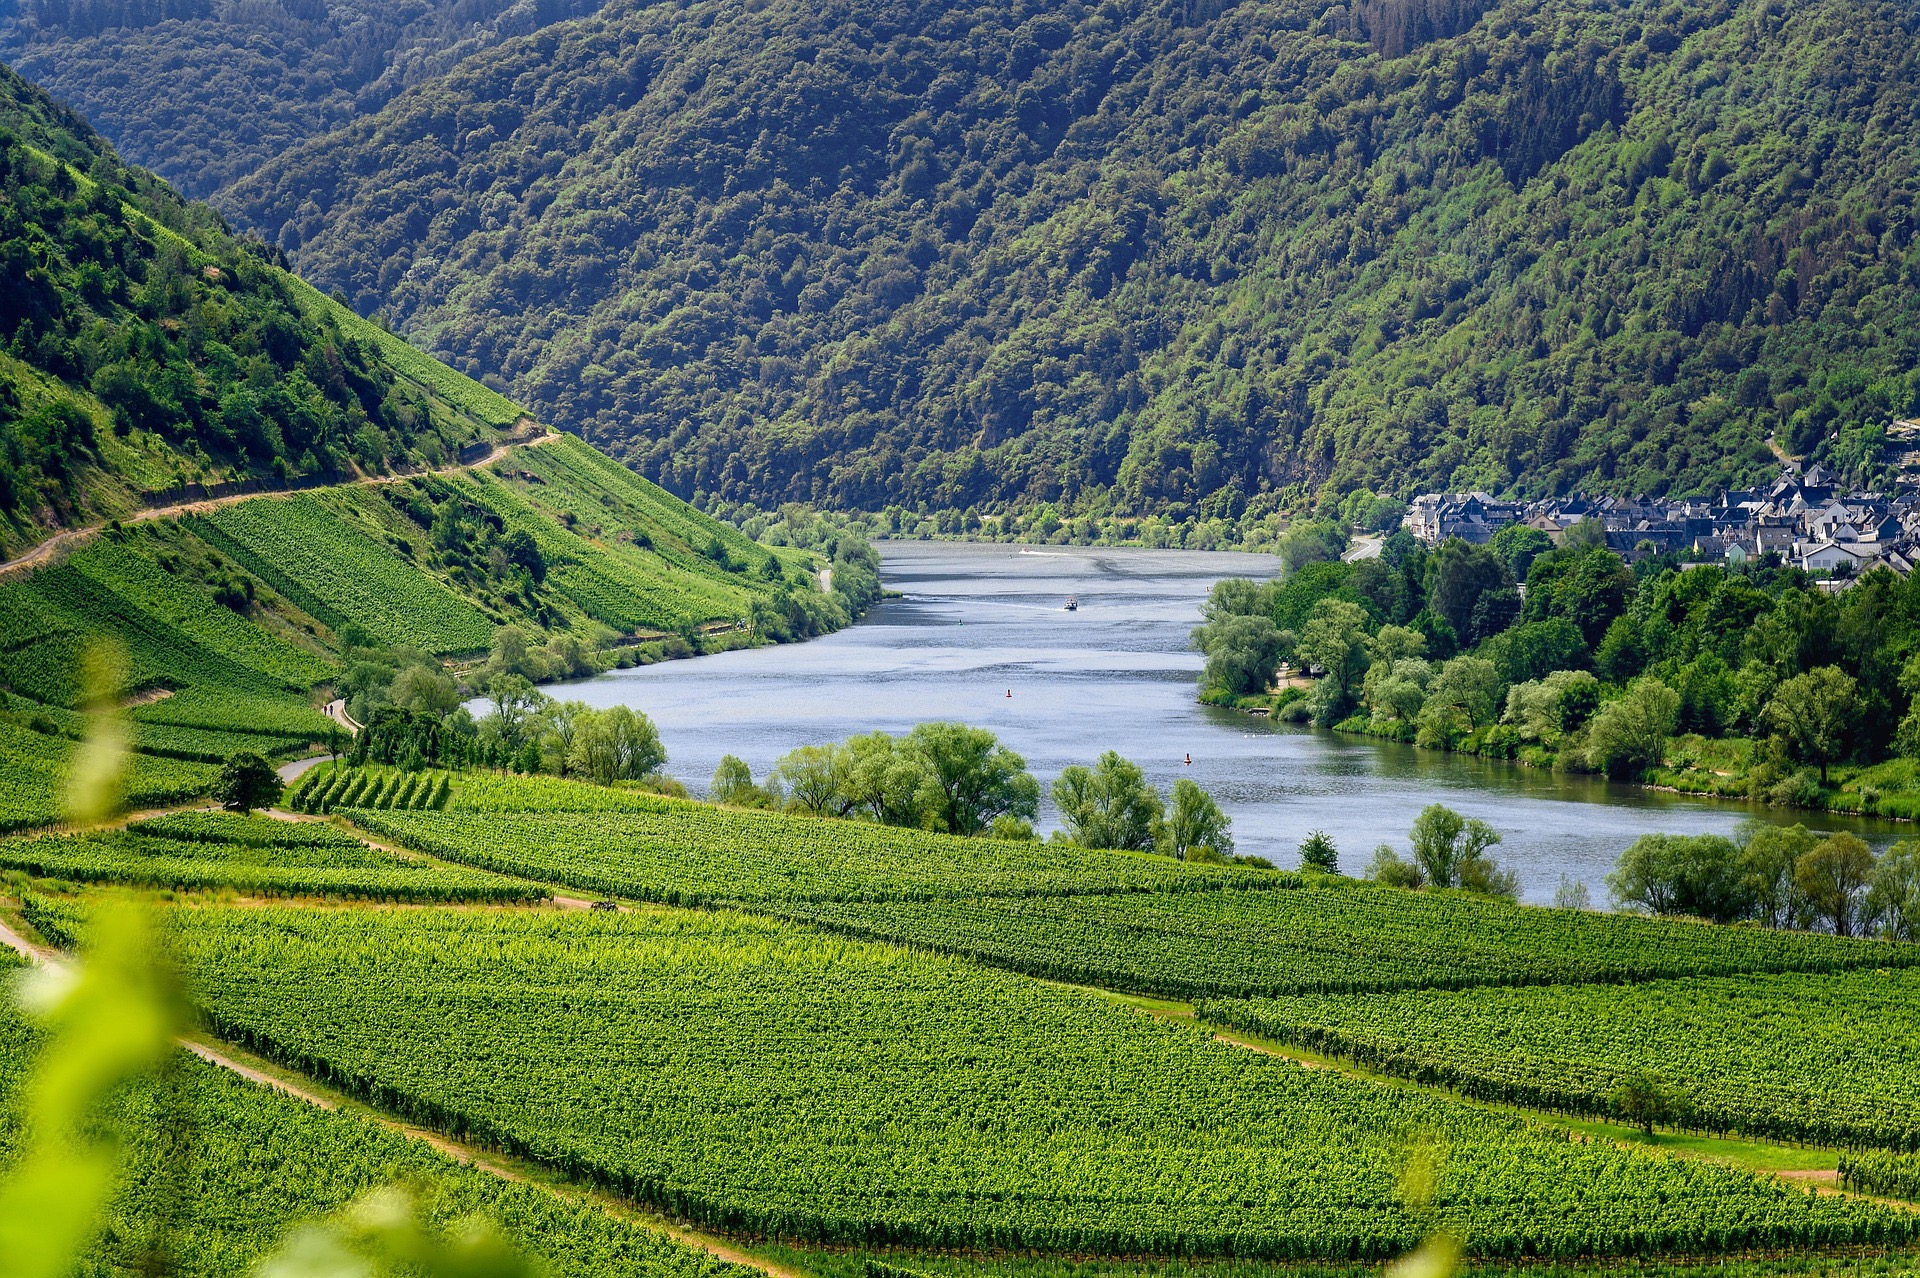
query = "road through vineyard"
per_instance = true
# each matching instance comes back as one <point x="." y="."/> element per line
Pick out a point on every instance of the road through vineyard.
<point x="980" y="621"/>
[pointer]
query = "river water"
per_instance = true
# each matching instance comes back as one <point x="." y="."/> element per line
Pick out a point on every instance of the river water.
<point x="981" y="621"/>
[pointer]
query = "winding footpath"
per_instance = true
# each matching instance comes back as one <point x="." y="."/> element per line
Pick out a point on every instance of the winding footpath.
<point x="52" y="546"/>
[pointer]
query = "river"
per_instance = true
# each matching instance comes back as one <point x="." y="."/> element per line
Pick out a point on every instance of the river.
<point x="981" y="621"/>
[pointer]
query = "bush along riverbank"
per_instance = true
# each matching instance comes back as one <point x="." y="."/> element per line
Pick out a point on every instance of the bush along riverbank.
<point x="1753" y="682"/>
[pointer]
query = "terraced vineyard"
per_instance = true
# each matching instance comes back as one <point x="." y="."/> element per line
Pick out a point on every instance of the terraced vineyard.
<point x="1816" y="1057"/>
<point x="124" y="571"/>
<point x="683" y="853"/>
<point x="774" y="1081"/>
<point x="450" y="386"/>
<point x="335" y="572"/>
<point x="64" y="604"/>
<point x="610" y="576"/>
<point x="224" y="710"/>
<point x="256" y="855"/>
<point x="1334" y="940"/>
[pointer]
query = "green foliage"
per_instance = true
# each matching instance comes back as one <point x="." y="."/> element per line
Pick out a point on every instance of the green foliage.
<point x="246" y="782"/>
<point x="1614" y="248"/>
<point x="34" y="769"/>
<point x="1109" y="805"/>
<point x="325" y="788"/>
<point x="1700" y="875"/>
<point x="261" y="1163"/>
<point x="1324" y="940"/>
<point x="1317" y="850"/>
<point x="147" y="346"/>
<point x="338" y="573"/>
<point x="1881" y="1172"/>
<point x="977" y="779"/>
<point x="1788" y="1056"/>
<point x="1629" y="735"/>
<point x="1816" y="712"/>
<point x="256" y="855"/>
<point x="625" y="843"/>
<point x="1195" y="828"/>
<point x="698" y="1026"/>
<point x="1452" y="850"/>
<point x="110" y="1023"/>
<point x="1243" y="653"/>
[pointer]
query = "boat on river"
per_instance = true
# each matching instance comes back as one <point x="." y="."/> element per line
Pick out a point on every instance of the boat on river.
<point x="1073" y="603"/>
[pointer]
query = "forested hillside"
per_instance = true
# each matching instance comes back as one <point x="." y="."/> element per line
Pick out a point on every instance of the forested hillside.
<point x="1177" y="259"/>
<point x="204" y="91"/>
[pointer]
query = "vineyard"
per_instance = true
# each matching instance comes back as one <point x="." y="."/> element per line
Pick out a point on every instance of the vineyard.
<point x="70" y="604"/>
<point x="260" y="1162"/>
<point x="337" y="572"/>
<point x="1830" y="1058"/>
<point x="33" y="778"/>
<point x="326" y="788"/>
<point x="127" y="571"/>
<point x="254" y="855"/>
<point x="453" y="388"/>
<point x="771" y="1081"/>
<point x="1881" y="1172"/>
<point x="1328" y="940"/>
<point x="686" y="853"/>
<point x="611" y="577"/>
<point x="579" y="480"/>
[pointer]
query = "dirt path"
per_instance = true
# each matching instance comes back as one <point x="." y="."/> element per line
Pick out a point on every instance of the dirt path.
<point x="47" y="549"/>
<point x="27" y="949"/>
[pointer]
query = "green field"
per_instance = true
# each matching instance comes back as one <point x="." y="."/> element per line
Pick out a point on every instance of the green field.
<point x="1796" y="1056"/>
<point x="252" y="855"/>
<point x="769" y="1080"/>
<point x="687" y="853"/>
<point x="1329" y="940"/>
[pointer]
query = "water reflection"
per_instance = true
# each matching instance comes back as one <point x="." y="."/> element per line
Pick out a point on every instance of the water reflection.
<point x="981" y="622"/>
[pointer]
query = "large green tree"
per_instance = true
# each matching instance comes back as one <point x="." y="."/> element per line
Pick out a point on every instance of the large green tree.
<point x="974" y="778"/>
<point x="1195" y="828"/>
<point x="1815" y="714"/>
<point x="1112" y="805"/>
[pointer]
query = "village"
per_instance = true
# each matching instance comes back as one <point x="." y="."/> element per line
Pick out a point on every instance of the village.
<point x="1806" y="517"/>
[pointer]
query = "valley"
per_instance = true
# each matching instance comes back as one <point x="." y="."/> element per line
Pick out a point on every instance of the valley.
<point x="561" y="712"/>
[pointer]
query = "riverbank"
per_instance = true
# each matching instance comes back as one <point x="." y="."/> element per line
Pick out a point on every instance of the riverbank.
<point x="1733" y="768"/>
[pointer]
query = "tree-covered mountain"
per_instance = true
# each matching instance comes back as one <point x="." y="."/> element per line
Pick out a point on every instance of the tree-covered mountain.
<point x="1188" y="258"/>
<point x="204" y="91"/>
